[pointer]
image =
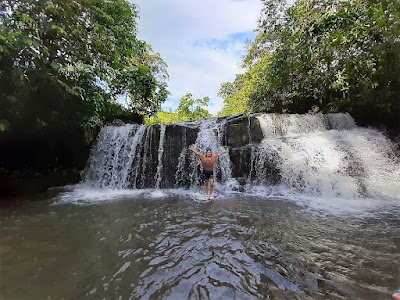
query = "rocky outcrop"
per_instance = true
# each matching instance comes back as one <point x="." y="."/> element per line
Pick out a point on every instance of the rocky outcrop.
<point x="242" y="130"/>
<point x="177" y="139"/>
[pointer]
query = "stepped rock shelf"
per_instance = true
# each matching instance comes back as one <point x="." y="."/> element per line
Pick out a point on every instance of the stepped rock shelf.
<point x="318" y="154"/>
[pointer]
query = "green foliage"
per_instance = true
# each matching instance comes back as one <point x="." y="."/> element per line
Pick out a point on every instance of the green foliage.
<point x="334" y="55"/>
<point x="163" y="117"/>
<point x="63" y="62"/>
<point x="189" y="109"/>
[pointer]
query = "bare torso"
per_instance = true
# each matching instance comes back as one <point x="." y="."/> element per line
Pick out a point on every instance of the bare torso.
<point x="208" y="162"/>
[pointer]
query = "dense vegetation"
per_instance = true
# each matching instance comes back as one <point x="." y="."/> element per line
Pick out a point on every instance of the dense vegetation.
<point x="63" y="63"/>
<point x="189" y="109"/>
<point x="322" y="55"/>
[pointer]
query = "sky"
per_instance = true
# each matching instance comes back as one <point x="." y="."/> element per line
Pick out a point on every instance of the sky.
<point x="202" y="41"/>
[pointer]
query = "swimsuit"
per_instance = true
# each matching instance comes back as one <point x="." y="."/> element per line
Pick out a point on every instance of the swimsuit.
<point x="208" y="174"/>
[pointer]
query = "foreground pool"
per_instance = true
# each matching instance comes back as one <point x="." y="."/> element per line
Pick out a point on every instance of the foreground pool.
<point x="172" y="247"/>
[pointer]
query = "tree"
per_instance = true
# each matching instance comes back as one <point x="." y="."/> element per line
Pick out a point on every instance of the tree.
<point x="189" y="109"/>
<point x="61" y="62"/>
<point x="334" y="55"/>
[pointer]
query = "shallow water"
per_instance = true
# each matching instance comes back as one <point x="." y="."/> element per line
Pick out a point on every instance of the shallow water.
<point x="169" y="246"/>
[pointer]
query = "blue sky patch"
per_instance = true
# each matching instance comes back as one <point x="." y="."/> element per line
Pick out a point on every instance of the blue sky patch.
<point x="223" y="44"/>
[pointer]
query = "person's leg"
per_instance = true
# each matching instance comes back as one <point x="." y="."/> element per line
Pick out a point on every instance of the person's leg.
<point x="211" y="186"/>
<point x="206" y="186"/>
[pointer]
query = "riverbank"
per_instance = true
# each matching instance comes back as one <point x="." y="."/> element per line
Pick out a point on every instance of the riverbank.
<point x="25" y="183"/>
<point x="34" y="160"/>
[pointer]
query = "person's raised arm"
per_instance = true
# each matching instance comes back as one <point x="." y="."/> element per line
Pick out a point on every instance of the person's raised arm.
<point x="194" y="151"/>
<point x="226" y="151"/>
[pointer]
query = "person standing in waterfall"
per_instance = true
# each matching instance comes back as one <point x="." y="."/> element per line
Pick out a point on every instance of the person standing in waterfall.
<point x="208" y="162"/>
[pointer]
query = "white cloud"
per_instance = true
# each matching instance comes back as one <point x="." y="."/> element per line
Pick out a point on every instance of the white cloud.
<point x="201" y="41"/>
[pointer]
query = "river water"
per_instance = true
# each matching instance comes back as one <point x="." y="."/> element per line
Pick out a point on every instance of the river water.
<point x="167" y="244"/>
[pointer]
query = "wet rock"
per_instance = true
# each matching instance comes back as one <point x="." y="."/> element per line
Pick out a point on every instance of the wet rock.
<point x="177" y="138"/>
<point x="148" y="156"/>
<point x="242" y="130"/>
<point x="255" y="129"/>
<point x="145" y="172"/>
<point x="241" y="163"/>
<point x="249" y="162"/>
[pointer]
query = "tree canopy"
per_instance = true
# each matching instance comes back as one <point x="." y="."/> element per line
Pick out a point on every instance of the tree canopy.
<point x="326" y="55"/>
<point x="65" y="63"/>
<point x="189" y="109"/>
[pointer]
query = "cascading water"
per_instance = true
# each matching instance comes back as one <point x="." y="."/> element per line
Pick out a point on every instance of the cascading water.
<point x="314" y="154"/>
<point x="210" y="136"/>
<point x="111" y="159"/>
<point x="160" y="157"/>
<point x="183" y="158"/>
<point x="146" y="152"/>
<point x="126" y="157"/>
<point x="327" y="155"/>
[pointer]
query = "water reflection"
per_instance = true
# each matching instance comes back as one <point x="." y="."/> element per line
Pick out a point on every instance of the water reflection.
<point x="174" y="248"/>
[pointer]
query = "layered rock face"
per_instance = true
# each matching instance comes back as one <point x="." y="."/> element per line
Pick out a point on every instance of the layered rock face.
<point x="314" y="153"/>
<point x="134" y="156"/>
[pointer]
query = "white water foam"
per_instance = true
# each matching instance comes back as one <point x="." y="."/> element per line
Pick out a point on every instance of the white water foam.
<point x="357" y="207"/>
<point x="82" y="194"/>
<point x="347" y="164"/>
<point x="111" y="160"/>
<point x="291" y="125"/>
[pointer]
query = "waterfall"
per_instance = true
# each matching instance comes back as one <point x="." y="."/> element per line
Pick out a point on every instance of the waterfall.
<point x="111" y="159"/>
<point x="146" y="160"/>
<point x="280" y="125"/>
<point x="160" y="157"/>
<point x="315" y="154"/>
<point x="181" y="169"/>
<point x="210" y="136"/>
<point x="327" y="155"/>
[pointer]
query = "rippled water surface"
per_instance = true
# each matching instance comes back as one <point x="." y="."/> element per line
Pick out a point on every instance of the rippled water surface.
<point x="172" y="247"/>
